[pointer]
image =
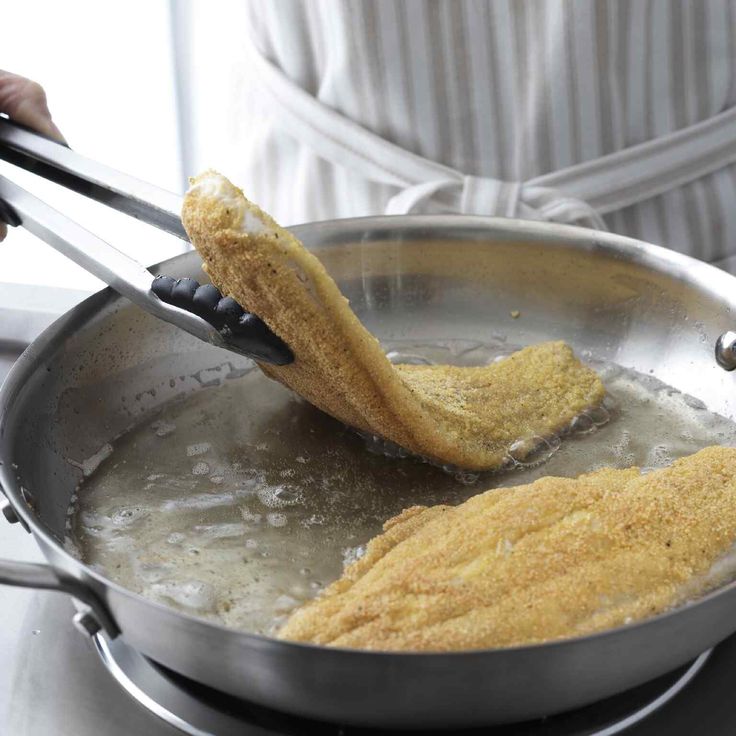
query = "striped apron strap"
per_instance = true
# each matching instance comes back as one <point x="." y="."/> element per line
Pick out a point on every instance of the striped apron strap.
<point x="584" y="191"/>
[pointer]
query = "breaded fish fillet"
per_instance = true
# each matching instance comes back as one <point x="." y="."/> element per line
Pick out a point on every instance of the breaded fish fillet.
<point x="465" y="416"/>
<point x="557" y="558"/>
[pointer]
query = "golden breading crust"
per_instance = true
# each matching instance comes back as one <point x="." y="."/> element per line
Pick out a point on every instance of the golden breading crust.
<point x="557" y="558"/>
<point x="464" y="416"/>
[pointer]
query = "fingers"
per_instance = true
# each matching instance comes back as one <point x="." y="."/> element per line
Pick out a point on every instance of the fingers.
<point x="25" y="102"/>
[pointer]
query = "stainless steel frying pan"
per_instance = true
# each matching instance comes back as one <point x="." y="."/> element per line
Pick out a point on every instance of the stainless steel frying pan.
<point x="407" y="277"/>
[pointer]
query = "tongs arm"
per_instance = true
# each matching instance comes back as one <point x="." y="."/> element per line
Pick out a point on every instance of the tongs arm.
<point x="58" y="163"/>
<point x="122" y="273"/>
<point x="201" y="311"/>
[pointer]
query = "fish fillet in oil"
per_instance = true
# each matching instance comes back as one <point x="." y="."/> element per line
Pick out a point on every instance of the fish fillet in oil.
<point x="557" y="558"/>
<point x="465" y="416"/>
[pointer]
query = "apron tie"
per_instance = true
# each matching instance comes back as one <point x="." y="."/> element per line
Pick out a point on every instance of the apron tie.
<point x="480" y="195"/>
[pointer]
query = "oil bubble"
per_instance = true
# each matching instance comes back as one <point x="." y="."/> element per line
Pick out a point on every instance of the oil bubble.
<point x="532" y="451"/>
<point x="163" y="429"/>
<point x="199" y="448"/>
<point x="200" y="469"/>
<point x="278" y="497"/>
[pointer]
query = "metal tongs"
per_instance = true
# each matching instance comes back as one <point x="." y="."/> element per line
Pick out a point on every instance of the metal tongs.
<point x="198" y="309"/>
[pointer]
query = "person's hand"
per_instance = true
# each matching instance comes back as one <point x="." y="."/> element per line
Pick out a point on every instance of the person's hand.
<point x="25" y="102"/>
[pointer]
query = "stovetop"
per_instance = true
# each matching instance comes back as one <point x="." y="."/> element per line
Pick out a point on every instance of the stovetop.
<point x="53" y="681"/>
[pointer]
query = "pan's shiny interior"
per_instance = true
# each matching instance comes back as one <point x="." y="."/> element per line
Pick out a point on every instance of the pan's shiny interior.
<point x="118" y="365"/>
<point x="106" y="366"/>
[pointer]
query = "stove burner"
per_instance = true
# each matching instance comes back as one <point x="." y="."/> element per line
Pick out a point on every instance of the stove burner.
<point x="201" y="711"/>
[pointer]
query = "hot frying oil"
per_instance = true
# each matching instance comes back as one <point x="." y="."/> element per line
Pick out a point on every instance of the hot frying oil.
<point x="239" y="502"/>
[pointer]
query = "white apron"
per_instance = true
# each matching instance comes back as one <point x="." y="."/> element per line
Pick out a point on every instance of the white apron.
<point x="585" y="191"/>
<point x="619" y="115"/>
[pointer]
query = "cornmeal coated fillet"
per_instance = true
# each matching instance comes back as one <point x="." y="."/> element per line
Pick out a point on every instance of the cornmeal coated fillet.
<point x="463" y="416"/>
<point x="554" y="559"/>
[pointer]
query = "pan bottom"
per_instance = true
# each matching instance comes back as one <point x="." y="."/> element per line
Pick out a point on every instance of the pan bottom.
<point x="201" y="711"/>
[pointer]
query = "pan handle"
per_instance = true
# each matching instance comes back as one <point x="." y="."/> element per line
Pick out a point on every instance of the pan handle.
<point x="93" y="615"/>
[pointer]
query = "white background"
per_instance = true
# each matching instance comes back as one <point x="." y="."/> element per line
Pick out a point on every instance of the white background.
<point x="108" y="69"/>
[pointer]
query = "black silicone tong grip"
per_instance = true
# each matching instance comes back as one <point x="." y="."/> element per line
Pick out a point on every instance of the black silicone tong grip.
<point x="244" y="331"/>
